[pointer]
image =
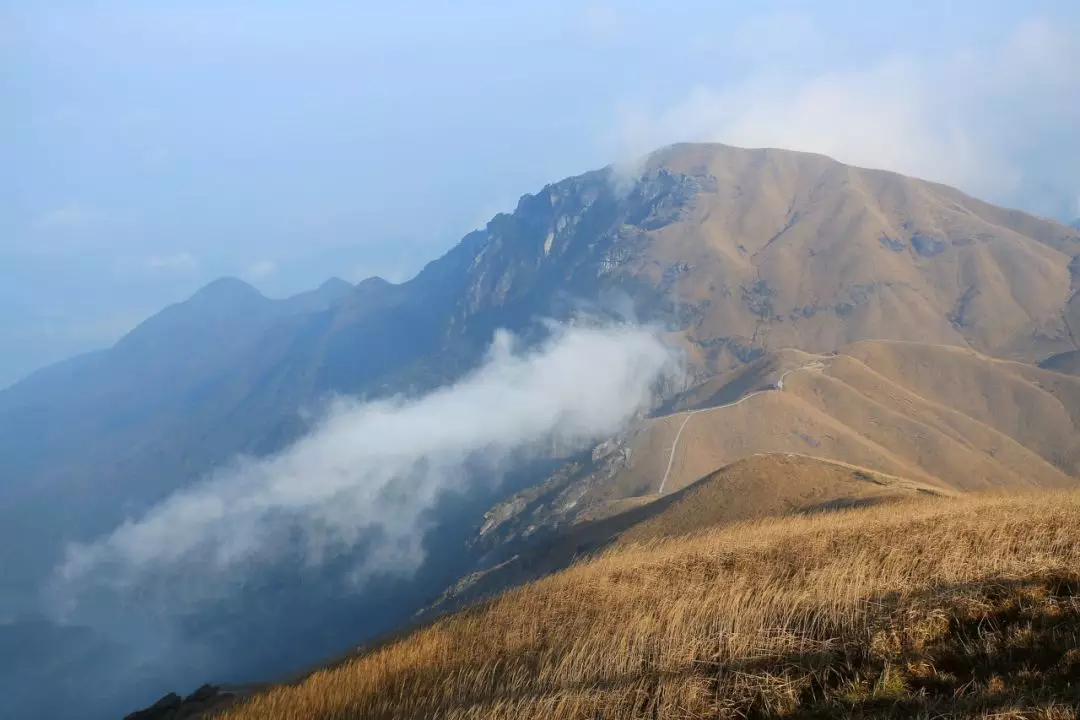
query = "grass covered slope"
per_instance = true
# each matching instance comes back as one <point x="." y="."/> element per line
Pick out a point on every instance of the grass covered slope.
<point x="961" y="606"/>
<point x="941" y="416"/>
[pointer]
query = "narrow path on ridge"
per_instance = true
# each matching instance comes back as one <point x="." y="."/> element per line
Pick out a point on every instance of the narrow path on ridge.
<point x="778" y="387"/>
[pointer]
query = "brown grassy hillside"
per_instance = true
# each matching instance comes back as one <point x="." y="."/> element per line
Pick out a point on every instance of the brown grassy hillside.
<point x="943" y="416"/>
<point x="786" y="249"/>
<point x="769" y="486"/>
<point x="935" y="608"/>
<point x="752" y="488"/>
<point x="741" y="251"/>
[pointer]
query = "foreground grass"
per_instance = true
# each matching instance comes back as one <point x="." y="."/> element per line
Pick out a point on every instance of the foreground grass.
<point x="933" y="608"/>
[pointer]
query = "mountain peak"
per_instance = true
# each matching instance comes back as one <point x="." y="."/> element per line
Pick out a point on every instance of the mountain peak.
<point x="681" y="157"/>
<point x="335" y="285"/>
<point x="227" y="290"/>
<point x="330" y="293"/>
<point x="372" y="283"/>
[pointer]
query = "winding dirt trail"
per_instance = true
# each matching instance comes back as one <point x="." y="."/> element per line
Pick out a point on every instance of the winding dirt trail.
<point x="778" y="387"/>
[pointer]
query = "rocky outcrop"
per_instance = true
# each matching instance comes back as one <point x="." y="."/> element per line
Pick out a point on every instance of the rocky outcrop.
<point x="174" y="707"/>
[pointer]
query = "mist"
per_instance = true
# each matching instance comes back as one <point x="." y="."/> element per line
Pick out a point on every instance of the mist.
<point x="366" y="475"/>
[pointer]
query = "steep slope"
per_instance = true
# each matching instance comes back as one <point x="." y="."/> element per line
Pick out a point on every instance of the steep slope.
<point x="943" y="416"/>
<point x="941" y="608"/>
<point x="754" y="487"/>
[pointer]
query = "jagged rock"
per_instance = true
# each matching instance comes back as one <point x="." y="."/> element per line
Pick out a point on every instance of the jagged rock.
<point x="202" y="694"/>
<point x="164" y="708"/>
<point x="173" y="707"/>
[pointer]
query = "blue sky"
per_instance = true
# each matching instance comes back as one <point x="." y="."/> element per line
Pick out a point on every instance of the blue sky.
<point x="148" y="147"/>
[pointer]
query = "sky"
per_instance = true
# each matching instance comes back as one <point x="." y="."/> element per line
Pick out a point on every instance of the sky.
<point x="149" y="147"/>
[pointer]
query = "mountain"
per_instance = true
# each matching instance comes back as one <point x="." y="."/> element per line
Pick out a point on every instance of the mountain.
<point x="740" y="255"/>
<point x="739" y="252"/>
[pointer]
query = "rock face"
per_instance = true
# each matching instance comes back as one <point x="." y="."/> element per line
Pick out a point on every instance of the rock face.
<point x="174" y="707"/>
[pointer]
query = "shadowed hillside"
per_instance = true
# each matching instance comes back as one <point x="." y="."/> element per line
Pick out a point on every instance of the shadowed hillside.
<point x="1066" y="362"/>
<point x="940" y="607"/>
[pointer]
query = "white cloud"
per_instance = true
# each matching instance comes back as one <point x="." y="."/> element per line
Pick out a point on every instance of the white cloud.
<point x="178" y="263"/>
<point x="371" y="470"/>
<point x="998" y="122"/>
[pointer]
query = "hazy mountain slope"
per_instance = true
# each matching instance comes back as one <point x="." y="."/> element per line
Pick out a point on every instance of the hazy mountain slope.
<point x="944" y="416"/>
<point x="88" y="441"/>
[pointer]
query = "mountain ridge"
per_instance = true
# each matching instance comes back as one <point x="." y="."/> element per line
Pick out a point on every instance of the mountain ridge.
<point x="751" y="262"/>
<point x="737" y="252"/>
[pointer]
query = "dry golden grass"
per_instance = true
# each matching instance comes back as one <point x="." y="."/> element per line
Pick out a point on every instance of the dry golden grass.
<point x="789" y="249"/>
<point x="936" y="415"/>
<point x="929" y="608"/>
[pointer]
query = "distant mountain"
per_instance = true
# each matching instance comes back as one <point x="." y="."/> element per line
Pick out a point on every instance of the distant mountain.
<point x="1075" y="224"/>
<point x="90" y="439"/>
<point x="738" y="253"/>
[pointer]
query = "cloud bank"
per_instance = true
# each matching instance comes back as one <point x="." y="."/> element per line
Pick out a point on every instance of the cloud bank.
<point x="367" y="473"/>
